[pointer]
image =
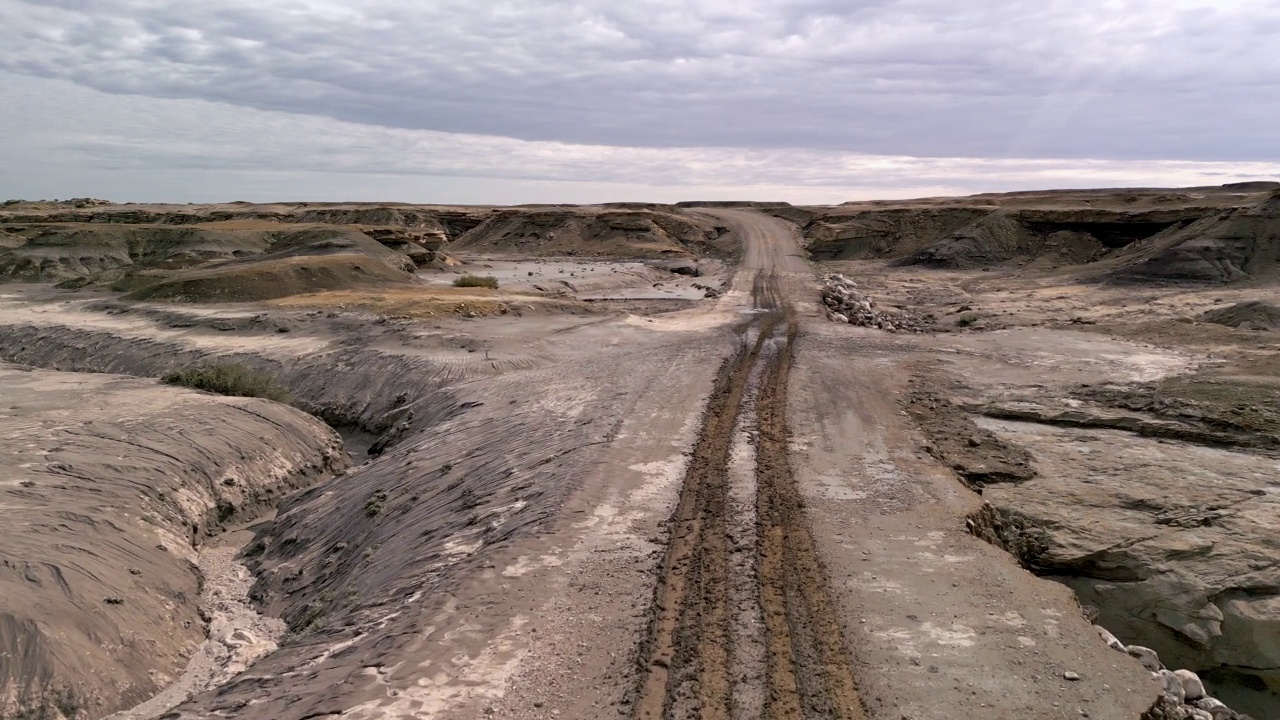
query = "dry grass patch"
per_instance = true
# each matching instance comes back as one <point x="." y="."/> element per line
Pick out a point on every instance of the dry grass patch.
<point x="233" y="379"/>
<point x="476" y="281"/>
<point x="436" y="301"/>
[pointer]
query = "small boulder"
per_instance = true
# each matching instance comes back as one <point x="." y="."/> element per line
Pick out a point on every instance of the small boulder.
<point x="1166" y="708"/>
<point x="1148" y="657"/>
<point x="1191" y="684"/>
<point x="1111" y="640"/>
<point x="679" y="267"/>
<point x="1170" y="685"/>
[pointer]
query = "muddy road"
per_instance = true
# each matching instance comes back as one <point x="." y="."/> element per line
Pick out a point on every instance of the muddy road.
<point x="689" y="653"/>
<point x="688" y="657"/>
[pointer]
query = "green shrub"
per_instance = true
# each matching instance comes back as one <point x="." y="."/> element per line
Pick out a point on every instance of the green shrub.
<point x="233" y="379"/>
<point x="967" y="319"/>
<point x="477" y="281"/>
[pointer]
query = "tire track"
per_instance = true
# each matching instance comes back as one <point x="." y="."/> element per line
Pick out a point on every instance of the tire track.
<point x="685" y="661"/>
<point x="689" y="616"/>
<point x="810" y="673"/>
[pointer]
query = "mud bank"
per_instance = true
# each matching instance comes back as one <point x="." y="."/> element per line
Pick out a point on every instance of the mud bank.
<point x="354" y="387"/>
<point x="110" y="484"/>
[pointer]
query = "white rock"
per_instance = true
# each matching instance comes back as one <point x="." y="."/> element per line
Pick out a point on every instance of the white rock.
<point x="1191" y="684"/>
<point x="1197" y="714"/>
<point x="1111" y="640"/>
<point x="839" y="318"/>
<point x="1170" y="685"/>
<point x="1070" y="676"/>
<point x="1148" y="657"/>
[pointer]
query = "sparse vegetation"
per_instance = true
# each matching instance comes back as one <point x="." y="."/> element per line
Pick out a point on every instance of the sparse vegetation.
<point x="74" y="283"/>
<point x="966" y="319"/>
<point x="373" y="506"/>
<point x="133" y="281"/>
<point x="469" y="500"/>
<point x="309" y="620"/>
<point x="233" y="379"/>
<point x="487" y="281"/>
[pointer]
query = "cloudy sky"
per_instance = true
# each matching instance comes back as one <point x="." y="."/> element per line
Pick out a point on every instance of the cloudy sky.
<point x="551" y="100"/>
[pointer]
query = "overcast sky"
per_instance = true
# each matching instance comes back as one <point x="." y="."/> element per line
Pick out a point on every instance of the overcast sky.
<point x="547" y="100"/>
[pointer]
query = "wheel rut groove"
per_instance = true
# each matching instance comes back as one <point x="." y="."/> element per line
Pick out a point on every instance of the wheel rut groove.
<point x="685" y="659"/>
<point x="810" y="671"/>
<point x="689" y="612"/>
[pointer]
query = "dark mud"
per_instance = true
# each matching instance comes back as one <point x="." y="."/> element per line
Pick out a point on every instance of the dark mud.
<point x="685" y="661"/>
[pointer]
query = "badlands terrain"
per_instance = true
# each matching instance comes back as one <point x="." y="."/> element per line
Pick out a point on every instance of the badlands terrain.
<point x="1006" y="456"/>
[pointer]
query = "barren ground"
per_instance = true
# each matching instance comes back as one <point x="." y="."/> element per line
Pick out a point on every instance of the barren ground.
<point x="611" y="489"/>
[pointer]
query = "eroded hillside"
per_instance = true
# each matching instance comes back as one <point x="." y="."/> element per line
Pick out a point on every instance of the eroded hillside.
<point x="1222" y="234"/>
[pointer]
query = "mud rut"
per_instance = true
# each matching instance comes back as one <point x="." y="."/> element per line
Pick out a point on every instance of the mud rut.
<point x="687" y="658"/>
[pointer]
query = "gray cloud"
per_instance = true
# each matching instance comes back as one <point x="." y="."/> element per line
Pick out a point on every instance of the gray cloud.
<point x="1123" y="79"/>
<point x="85" y="142"/>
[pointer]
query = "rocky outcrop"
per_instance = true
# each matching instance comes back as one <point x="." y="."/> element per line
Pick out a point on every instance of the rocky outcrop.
<point x="137" y="246"/>
<point x="1178" y="552"/>
<point x="882" y="233"/>
<point x="452" y="221"/>
<point x="297" y="262"/>
<point x="586" y="231"/>
<point x="977" y="455"/>
<point x="50" y="253"/>
<point x="1222" y="247"/>
<point x="421" y="246"/>
<point x="1195" y="235"/>
<point x="1186" y="428"/>
<point x="103" y="253"/>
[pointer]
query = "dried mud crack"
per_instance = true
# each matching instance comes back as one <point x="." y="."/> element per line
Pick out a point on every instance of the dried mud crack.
<point x="687" y="656"/>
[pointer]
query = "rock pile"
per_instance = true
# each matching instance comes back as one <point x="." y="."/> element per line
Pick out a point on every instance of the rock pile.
<point x="846" y="304"/>
<point x="1182" y="694"/>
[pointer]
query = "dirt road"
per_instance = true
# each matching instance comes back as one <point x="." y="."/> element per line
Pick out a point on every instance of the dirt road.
<point x="964" y="652"/>
<point x="689" y="652"/>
